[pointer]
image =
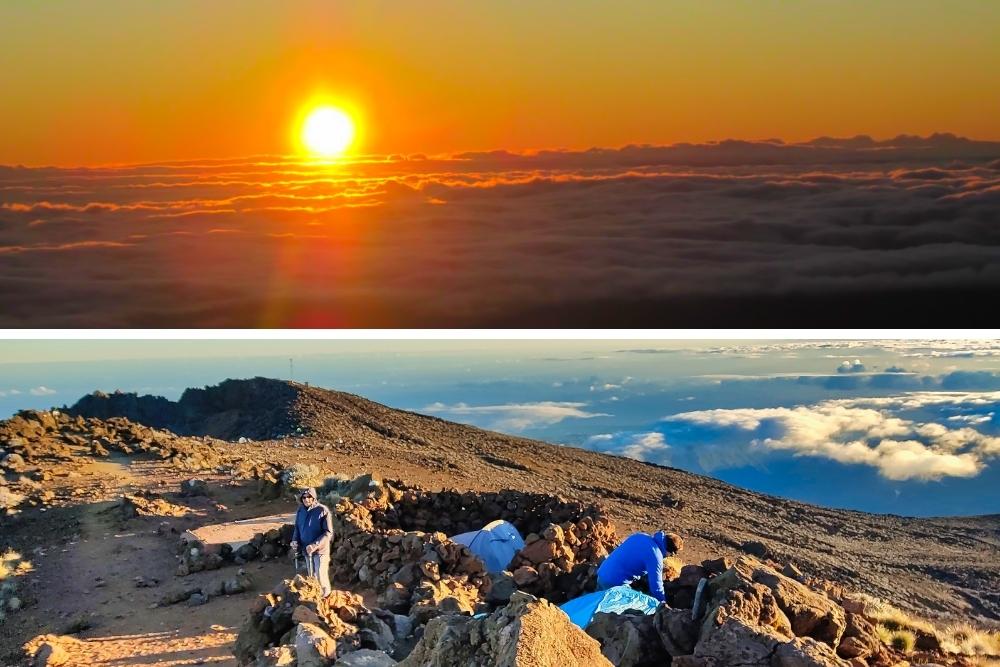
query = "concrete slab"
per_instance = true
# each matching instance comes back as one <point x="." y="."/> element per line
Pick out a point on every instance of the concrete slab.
<point x="236" y="533"/>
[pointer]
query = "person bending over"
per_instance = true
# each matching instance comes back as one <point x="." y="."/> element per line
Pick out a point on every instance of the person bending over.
<point x="639" y="554"/>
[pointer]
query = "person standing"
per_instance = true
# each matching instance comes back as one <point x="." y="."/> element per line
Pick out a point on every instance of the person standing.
<point x="313" y="531"/>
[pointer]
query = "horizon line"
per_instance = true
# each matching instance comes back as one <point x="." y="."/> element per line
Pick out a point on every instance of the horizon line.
<point x="362" y="158"/>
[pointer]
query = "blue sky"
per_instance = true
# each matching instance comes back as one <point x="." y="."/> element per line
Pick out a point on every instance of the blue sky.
<point x="901" y="427"/>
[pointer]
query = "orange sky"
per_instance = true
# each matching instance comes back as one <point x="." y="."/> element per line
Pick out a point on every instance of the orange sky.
<point x="124" y="81"/>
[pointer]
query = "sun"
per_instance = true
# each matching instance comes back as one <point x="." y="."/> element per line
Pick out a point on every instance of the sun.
<point x="327" y="131"/>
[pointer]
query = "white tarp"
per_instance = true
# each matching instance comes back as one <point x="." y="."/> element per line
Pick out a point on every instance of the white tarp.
<point x="495" y="544"/>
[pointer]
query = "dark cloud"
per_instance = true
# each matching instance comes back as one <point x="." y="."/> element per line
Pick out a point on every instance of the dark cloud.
<point x="901" y="232"/>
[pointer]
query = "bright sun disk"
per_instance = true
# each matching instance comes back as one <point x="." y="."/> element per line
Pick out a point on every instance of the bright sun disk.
<point x="327" y="131"/>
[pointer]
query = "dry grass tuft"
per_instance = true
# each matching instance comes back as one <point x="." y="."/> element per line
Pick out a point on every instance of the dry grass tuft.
<point x="897" y="628"/>
<point x="967" y="639"/>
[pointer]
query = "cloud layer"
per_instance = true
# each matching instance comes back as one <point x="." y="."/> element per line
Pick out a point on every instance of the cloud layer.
<point x="513" y="416"/>
<point x="637" y="235"/>
<point x="914" y="436"/>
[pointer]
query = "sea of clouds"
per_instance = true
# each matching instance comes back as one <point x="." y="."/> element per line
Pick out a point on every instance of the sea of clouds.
<point x="496" y="237"/>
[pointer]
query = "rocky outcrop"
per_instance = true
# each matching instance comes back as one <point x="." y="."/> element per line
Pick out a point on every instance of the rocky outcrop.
<point x="527" y="631"/>
<point x="758" y="617"/>
<point x="861" y="640"/>
<point x="258" y="409"/>
<point x="629" y="639"/>
<point x="317" y="629"/>
<point x="806" y="613"/>
<point x="37" y="436"/>
<point x="147" y="504"/>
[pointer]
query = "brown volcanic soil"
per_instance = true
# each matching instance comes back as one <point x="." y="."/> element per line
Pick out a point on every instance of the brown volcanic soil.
<point x="947" y="568"/>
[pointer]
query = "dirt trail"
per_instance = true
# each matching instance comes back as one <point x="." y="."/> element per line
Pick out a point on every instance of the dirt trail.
<point x="92" y="576"/>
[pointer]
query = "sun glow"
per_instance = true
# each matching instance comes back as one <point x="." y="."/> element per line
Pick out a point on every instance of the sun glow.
<point x="327" y="131"/>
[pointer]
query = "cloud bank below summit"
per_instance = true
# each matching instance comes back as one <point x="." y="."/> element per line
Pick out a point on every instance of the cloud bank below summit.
<point x="484" y="238"/>
<point x="913" y="436"/>
<point x="515" y="417"/>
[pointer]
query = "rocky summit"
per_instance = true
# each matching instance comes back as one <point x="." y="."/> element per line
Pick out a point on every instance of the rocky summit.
<point x="101" y="504"/>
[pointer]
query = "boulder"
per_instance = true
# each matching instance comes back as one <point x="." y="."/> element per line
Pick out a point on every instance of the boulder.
<point x="197" y="599"/>
<point x="525" y="575"/>
<point x="716" y="565"/>
<point x="313" y="647"/>
<point x="376" y="633"/>
<point x="856" y="604"/>
<point x="450" y="595"/>
<point x="296" y="611"/>
<point x="131" y="506"/>
<point x="272" y="614"/>
<point x="759" y="618"/>
<point x="528" y="631"/>
<point x="745" y="628"/>
<point x="677" y="631"/>
<point x="860" y="638"/>
<point x="806" y="652"/>
<point x="194" y="487"/>
<point x="540" y="551"/>
<point x="502" y="586"/>
<point x="278" y="656"/>
<point x="809" y="613"/>
<point x="628" y="640"/>
<point x="365" y="658"/>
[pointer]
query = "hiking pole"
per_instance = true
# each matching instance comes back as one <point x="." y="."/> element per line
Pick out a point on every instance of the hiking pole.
<point x="309" y="565"/>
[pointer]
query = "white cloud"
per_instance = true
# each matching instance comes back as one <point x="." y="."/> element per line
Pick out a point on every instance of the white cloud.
<point x="607" y="386"/>
<point x="645" y="444"/>
<point x="851" y="367"/>
<point x="905" y="348"/>
<point x="651" y="446"/>
<point x="41" y="390"/>
<point x="865" y="431"/>
<point x="972" y="419"/>
<point x="515" y="416"/>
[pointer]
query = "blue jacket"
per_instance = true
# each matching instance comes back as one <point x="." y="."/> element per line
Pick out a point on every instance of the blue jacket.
<point x="639" y="554"/>
<point x="313" y="526"/>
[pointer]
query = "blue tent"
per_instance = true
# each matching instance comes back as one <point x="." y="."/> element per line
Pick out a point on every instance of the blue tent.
<point x="496" y="544"/>
<point x="614" y="600"/>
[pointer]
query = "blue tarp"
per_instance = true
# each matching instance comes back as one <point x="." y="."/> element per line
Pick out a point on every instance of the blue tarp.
<point x="615" y="600"/>
<point x="496" y="544"/>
